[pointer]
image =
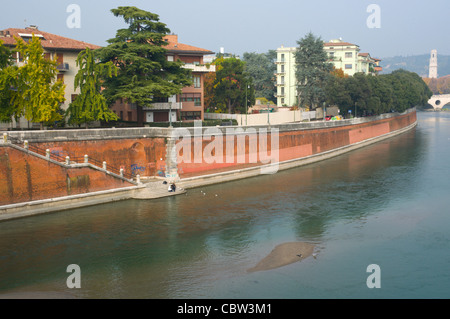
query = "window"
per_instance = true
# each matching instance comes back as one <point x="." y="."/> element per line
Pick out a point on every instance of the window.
<point x="282" y="80"/>
<point x="282" y="100"/>
<point x="282" y="68"/>
<point x="348" y="66"/>
<point x="331" y="54"/>
<point x="197" y="81"/>
<point x="192" y="97"/>
<point x="170" y="58"/>
<point x="282" y="57"/>
<point x="348" y="54"/>
<point x="60" y="77"/>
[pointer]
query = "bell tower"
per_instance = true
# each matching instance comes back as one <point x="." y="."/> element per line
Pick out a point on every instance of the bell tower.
<point x="433" y="65"/>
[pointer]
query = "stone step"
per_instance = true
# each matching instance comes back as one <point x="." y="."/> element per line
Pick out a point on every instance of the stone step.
<point x="156" y="190"/>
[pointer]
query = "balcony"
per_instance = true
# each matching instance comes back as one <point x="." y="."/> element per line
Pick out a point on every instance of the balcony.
<point x="63" y="67"/>
<point x="164" y="106"/>
<point x="201" y="68"/>
<point x="280" y="61"/>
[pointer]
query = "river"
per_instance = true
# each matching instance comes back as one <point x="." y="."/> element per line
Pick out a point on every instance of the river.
<point x="385" y="204"/>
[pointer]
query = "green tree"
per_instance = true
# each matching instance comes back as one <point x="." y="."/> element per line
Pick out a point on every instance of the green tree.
<point x="312" y="71"/>
<point x="230" y="85"/>
<point x="38" y="94"/>
<point x="8" y="83"/>
<point x="261" y="68"/>
<point x="90" y="105"/>
<point x="138" y="51"/>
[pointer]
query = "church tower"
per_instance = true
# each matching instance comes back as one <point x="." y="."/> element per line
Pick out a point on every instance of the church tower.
<point x="433" y="65"/>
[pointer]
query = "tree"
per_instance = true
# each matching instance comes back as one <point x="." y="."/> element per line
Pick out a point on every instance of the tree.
<point x="8" y="82"/>
<point x="138" y="52"/>
<point x="312" y="71"/>
<point x="230" y="87"/>
<point x="90" y="105"/>
<point x="261" y="68"/>
<point x="38" y="94"/>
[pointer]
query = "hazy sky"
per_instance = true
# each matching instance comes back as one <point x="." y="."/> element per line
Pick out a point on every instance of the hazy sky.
<point x="406" y="27"/>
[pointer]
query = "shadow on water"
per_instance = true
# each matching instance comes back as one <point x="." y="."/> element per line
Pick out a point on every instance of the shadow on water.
<point x="149" y="248"/>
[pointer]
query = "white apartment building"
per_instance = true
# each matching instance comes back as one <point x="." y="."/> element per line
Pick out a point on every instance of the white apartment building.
<point x="342" y="55"/>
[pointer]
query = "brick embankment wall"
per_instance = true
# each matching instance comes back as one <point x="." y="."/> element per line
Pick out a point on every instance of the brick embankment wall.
<point x="295" y="141"/>
<point x="144" y="156"/>
<point x="25" y="177"/>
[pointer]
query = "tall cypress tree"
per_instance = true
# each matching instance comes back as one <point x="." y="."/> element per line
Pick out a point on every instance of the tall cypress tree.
<point x="90" y="105"/>
<point x="312" y="70"/>
<point x="138" y="51"/>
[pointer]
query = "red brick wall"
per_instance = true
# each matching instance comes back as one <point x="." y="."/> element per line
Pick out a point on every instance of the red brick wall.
<point x="298" y="144"/>
<point x="145" y="156"/>
<point x="26" y="177"/>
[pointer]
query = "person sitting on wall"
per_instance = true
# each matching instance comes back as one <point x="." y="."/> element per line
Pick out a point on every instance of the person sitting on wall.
<point x="170" y="188"/>
<point x="173" y="187"/>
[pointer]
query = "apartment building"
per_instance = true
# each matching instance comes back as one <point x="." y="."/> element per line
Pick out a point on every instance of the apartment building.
<point x="64" y="50"/>
<point x="343" y="55"/>
<point x="187" y="106"/>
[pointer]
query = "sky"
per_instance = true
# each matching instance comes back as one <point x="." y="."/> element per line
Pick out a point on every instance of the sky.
<point x="395" y="28"/>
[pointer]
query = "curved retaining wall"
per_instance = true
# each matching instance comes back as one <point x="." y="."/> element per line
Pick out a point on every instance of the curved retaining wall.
<point x="295" y="142"/>
<point x="27" y="179"/>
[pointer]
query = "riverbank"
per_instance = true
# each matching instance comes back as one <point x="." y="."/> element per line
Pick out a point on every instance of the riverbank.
<point x="324" y="140"/>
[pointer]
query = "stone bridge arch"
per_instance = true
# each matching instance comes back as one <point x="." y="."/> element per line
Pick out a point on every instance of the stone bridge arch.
<point x="439" y="101"/>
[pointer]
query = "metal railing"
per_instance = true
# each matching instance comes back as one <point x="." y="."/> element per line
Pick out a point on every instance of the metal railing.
<point x="72" y="159"/>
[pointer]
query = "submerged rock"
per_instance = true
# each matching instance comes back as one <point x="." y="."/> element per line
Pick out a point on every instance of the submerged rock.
<point x="284" y="254"/>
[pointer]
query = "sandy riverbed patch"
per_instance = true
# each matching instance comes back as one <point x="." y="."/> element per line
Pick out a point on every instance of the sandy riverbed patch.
<point x="284" y="254"/>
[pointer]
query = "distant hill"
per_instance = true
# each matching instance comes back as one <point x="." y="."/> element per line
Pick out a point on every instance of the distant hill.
<point x="416" y="63"/>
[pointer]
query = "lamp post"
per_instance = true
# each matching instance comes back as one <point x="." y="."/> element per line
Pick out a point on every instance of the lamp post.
<point x="268" y="114"/>
<point x="355" y="109"/>
<point x="324" y="115"/>
<point x="170" y="114"/>
<point x="246" y="104"/>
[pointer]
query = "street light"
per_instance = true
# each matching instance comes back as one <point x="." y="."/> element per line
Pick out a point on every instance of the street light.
<point x="246" y="104"/>
<point x="170" y="114"/>
<point x="268" y="113"/>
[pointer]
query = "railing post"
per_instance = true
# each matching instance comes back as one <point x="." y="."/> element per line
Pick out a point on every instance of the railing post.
<point x="25" y="144"/>
<point x="5" y="138"/>
<point x="104" y="166"/>
<point x="138" y="179"/>
<point x="67" y="160"/>
<point x="86" y="158"/>
<point x="121" y="172"/>
<point x="47" y="153"/>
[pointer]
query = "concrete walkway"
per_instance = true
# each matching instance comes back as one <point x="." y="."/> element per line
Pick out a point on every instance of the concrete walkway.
<point x="156" y="189"/>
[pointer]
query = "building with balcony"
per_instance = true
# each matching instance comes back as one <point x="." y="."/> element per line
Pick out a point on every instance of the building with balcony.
<point x="187" y="106"/>
<point x="63" y="49"/>
<point x="343" y="55"/>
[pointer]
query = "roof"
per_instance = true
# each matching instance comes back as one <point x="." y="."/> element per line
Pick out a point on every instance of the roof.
<point x="338" y="44"/>
<point x="175" y="47"/>
<point x="49" y="41"/>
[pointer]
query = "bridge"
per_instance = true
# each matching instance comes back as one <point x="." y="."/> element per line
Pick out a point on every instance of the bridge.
<point x="439" y="101"/>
